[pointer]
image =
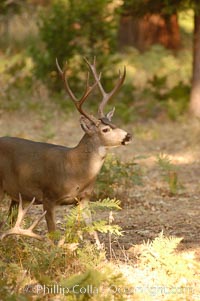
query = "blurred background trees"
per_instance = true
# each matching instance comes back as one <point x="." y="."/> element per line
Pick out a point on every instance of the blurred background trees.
<point x="71" y="29"/>
<point x="154" y="38"/>
<point x="145" y="23"/>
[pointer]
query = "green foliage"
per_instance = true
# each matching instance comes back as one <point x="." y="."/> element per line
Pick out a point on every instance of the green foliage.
<point x="95" y="284"/>
<point x="105" y="204"/>
<point x="169" y="173"/>
<point x="68" y="28"/>
<point x="75" y="224"/>
<point x="32" y="269"/>
<point x="81" y="283"/>
<point x="115" y="175"/>
<point x="175" y="100"/>
<point x="160" y="82"/>
<point x="157" y="81"/>
<point x="103" y="227"/>
<point x="35" y="264"/>
<point x="15" y="75"/>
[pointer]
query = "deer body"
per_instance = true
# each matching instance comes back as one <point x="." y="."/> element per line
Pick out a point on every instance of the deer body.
<point x="45" y="171"/>
<point x="54" y="174"/>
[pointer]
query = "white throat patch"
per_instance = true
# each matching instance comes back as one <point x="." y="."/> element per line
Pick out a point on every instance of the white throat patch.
<point x="102" y="151"/>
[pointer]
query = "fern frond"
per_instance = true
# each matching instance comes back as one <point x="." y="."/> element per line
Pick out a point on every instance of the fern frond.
<point x="111" y="204"/>
<point x="103" y="227"/>
<point x="166" y="244"/>
<point x="73" y="216"/>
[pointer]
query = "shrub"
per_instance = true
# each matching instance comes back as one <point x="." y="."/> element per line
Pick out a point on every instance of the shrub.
<point x="68" y="28"/>
<point x="115" y="175"/>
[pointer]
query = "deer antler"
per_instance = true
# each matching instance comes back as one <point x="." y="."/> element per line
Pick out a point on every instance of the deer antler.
<point x="17" y="230"/>
<point x="88" y="90"/>
<point x="106" y="96"/>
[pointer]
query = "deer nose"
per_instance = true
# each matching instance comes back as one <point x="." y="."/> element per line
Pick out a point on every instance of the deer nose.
<point x="127" y="139"/>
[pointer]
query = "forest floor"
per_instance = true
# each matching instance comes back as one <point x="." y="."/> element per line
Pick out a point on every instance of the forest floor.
<point x="149" y="208"/>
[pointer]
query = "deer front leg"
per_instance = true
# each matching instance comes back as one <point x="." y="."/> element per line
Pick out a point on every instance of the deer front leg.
<point x="87" y="216"/>
<point x="50" y="216"/>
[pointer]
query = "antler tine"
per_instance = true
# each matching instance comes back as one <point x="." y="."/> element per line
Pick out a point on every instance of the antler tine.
<point x="17" y="230"/>
<point x="94" y="72"/>
<point x="66" y="85"/>
<point x="78" y="103"/>
<point x="106" y="96"/>
<point x="36" y="222"/>
<point x="88" y="90"/>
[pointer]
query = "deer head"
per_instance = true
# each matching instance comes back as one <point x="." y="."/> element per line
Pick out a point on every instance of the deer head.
<point x="101" y="129"/>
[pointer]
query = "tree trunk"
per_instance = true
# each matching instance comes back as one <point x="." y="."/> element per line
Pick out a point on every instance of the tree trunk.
<point x="151" y="29"/>
<point x="195" y="90"/>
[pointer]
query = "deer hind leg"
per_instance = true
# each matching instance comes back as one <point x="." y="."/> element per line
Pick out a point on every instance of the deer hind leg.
<point x="87" y="216"/>
<point x="50" y="216"/>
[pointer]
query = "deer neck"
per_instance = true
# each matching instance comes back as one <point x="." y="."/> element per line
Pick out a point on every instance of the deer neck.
<point x="90" y="147"/>
<point x="90" y="155"/>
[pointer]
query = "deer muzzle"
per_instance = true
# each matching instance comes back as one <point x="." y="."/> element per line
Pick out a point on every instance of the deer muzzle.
<point x="127" y="139"/>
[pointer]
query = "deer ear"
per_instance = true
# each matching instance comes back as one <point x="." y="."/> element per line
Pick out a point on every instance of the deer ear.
<point x="110" y="114"/>
<point x="87" y="126"/>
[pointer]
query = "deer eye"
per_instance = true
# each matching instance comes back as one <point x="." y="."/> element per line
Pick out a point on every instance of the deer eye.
<point x="106" y="130"/>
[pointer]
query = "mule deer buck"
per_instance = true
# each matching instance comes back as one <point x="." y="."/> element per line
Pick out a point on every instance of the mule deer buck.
<point x="54" y="174"/>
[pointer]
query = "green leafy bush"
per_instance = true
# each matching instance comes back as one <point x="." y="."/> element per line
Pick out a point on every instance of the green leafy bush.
<point x="70" y="29"/>
<point x="115" y="175"/>
<point x="160" y="82"/>
<point x="76" y="228"/>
